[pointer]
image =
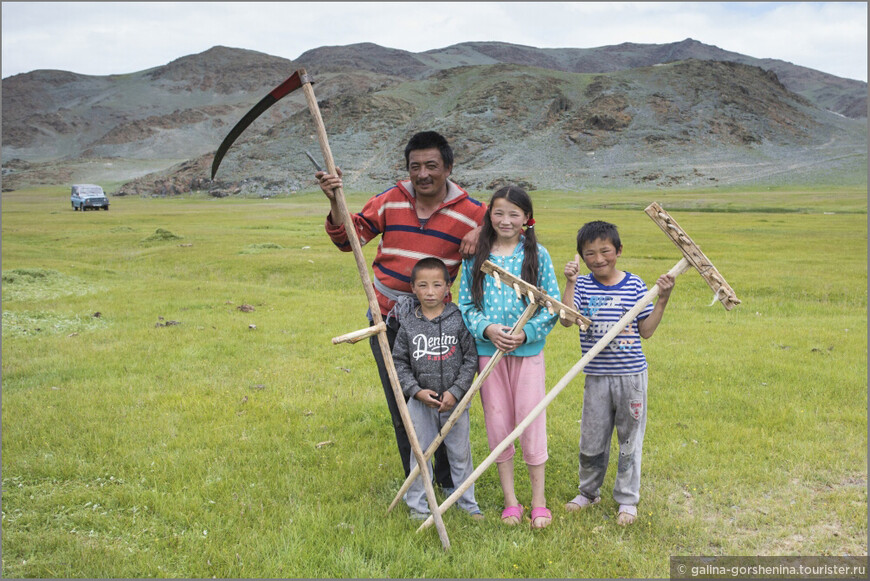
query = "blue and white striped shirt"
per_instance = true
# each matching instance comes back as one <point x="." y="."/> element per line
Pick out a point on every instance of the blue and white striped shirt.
<point x="605" y="305"/>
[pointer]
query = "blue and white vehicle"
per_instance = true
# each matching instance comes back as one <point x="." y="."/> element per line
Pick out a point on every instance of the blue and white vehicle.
<point x="88" y="197"/>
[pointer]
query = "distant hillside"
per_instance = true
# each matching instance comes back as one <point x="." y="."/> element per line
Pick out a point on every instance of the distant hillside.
<point x="690" y="123"/>
<point x="845" y="96"/>
<point x="649" y="115"/>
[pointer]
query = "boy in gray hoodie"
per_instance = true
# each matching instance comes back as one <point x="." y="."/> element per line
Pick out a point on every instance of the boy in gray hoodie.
<point x="436" y="359"/>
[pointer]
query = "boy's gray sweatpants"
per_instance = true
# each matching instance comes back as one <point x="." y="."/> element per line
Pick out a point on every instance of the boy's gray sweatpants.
<point x="427" y="423"/>
<point x="613" y="401"/>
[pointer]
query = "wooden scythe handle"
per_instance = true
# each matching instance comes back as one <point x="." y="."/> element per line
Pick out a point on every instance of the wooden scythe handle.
<point x="384" y="343"/>
<point x="357" y="336"/>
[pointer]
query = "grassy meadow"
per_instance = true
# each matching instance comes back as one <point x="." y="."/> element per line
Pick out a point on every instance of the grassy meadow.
<point x="172" y="405"/>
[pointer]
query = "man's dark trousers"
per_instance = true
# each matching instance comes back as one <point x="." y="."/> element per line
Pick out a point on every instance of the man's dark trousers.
<point x="442" y="467"/>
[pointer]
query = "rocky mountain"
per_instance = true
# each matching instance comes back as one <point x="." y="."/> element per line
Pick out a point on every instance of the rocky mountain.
<point x="644" y="115"/>
<point x="845" y="96"/>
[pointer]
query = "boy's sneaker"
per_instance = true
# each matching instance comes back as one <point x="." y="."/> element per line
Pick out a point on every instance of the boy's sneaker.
<point x="626" y="514"/>
<point x="417" y="515"/>
<point x="580" y="502"/>
<point x="476" y="514"/>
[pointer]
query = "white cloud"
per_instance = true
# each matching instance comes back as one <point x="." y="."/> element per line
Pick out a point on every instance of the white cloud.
<point x="118" y="37"/>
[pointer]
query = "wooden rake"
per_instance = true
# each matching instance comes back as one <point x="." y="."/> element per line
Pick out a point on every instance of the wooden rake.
<point x="537" y="298"/>
<point x="692" y="256"/>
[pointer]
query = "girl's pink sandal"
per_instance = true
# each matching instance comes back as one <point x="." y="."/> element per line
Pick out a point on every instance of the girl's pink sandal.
<point x="513" y="512"/>
<point x="541" y="512"/>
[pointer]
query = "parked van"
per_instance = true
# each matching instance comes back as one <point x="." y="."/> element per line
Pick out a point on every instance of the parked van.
<point x="88" y="197"/>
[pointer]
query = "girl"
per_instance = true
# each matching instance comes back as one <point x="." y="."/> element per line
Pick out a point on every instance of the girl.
<point x="516" y="384"/>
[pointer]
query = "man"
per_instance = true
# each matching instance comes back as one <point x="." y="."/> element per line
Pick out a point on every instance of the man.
<point x="425" y="215"/>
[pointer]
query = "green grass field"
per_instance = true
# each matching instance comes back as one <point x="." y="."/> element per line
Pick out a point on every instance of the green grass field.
<point x="153" y="428"/>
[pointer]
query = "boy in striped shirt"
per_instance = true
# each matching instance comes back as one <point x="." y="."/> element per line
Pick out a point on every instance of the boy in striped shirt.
<point x="616" y="379"/>
<point x="424" y="215"/>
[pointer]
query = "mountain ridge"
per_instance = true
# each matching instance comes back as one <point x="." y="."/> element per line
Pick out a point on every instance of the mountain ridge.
<point x="372" y="96"/>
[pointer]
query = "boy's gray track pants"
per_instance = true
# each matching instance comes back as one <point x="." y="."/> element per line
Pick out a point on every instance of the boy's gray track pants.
<point x="613" y="401"/>
<point x="427" y="423"/>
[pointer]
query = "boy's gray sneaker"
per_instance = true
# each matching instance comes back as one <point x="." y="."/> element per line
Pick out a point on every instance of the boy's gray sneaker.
<point x="580" y="502"/>
<point x="417" y="515"/>
<point x="476" y="514"/>
<point x="626" y="515"/>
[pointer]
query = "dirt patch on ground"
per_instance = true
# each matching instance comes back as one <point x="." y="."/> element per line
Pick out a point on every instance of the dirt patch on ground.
<point x="796" y="519"/>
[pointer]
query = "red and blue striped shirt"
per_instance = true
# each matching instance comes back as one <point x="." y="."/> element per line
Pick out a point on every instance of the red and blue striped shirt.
<point x="392" y="214"/>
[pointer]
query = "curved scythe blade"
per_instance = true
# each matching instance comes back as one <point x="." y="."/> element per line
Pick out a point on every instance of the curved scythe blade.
<point x="285" y="88"/>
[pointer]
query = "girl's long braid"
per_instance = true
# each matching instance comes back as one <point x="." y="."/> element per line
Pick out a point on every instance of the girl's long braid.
<point x="530" y="256"/>
<point x="484" y="247"/>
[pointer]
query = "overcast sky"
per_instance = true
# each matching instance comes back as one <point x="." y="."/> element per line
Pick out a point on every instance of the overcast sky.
<point x="102" y="38"/>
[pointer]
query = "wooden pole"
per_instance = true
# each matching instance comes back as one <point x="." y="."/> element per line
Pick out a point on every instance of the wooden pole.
<point x="463" y="403"/>
<point x="627" y="318"/>
<point x="384" y="343"/>
<point x="356" y="336"/>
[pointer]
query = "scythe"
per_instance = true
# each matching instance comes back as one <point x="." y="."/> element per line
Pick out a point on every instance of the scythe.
<point x="300" y="79"/>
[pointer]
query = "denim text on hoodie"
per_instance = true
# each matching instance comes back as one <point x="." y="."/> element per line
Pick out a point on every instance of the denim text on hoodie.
<point x="437" y="354"/>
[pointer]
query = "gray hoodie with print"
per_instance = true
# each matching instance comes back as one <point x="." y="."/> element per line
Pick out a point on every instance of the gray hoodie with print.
<point x="439" y="354"/>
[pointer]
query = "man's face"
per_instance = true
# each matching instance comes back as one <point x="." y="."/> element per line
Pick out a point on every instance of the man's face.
<point x="428" y="173"/>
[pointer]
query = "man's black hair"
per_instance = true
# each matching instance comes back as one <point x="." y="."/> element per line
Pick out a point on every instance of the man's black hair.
<point x="428" y="263"/>
<point x="592" y="231"/>
<point x="429" y="140"/>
